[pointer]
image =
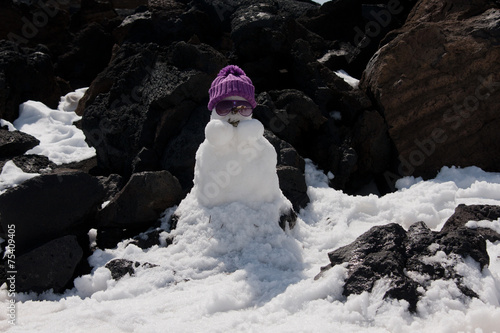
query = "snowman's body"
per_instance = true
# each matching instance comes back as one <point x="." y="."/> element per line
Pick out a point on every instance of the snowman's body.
<point x="236" y="163"/>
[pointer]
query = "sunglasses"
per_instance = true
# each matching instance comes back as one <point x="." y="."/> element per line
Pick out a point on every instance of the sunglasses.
<point x="223" y="108"/>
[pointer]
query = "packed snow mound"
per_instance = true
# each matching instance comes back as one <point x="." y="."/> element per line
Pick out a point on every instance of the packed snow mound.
<point x="60" y="140"/>
<point x="238" y="234"/>
<point x="69" y="102"/>
<point x="245" y="245"/>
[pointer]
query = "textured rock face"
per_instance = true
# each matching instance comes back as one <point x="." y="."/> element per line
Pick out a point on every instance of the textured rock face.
<point x="436" y="81"/>
<point x="50" y="206"/>
<point x="410" y="259"/>
<point x="88" y="54"/>
<point x="50" y="266"/>
<point x="143" y="99"/>
<point x="15" y="143"/>
<point x="136" y="207"/>
<point x="146" y="110"/>
<point x="142" y="200"/>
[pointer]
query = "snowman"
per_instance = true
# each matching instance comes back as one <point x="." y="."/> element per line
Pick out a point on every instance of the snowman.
<point x="235" y="163"/>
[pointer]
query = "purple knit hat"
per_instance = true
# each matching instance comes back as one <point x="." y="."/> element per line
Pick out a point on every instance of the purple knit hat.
<point x="231" y="81"/>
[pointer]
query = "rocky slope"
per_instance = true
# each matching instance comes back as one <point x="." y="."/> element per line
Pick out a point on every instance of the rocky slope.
<point x="427" y="98"/>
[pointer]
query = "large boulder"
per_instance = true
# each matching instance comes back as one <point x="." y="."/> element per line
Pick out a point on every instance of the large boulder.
<point x="137" y="206"/>
<point x="178" y="156"/>
<point x="50" y="206"/>
<point x="436" y="82"/>
<point x="50" y="266"/>
<point x="39" y="22"/>
<point x="356" y="28"/>
<point x="31" y="163"/>
<point x="407" y="258"/>
<point x="353" y="147"/>
<point x="165" y="22"/>
<point x="263" y="33"/>
<point x="142" y="200"/>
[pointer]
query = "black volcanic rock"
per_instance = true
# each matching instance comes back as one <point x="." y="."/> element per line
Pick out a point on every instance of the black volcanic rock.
<point x="144" y="99"/>
<point x="392" y="253"/>
<point x="14" y="143"/>
<point x="25" y="74"/>
<point x="50" y="266"/>
<point x="88" y="54"/>
<point x="137" y="206"/>
<point x="31" y="163"/>
<point x="50" y="206"/>
<point x="290" y="169"/>
<point x="142" y="200"/>
<point x="121" y="267"/>
<point x="464" y="214"/>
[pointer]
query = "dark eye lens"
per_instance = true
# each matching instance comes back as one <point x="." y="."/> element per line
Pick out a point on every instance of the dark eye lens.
<point x="223" y="108"/>
<point x="246" y="111"/>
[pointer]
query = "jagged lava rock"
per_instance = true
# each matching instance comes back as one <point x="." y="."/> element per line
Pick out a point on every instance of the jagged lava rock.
<point x="121" y="267"/>
<point x="464" y="214"/>
<point x="31" y="163"/>
<point x="29" y="24"/>
<point x="144" y="99"/>
<point x="436" y="81"/>
<point x="390" y="252"/>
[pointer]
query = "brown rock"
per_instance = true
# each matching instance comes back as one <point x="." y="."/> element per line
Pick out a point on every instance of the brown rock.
<point x="437" y="81"/>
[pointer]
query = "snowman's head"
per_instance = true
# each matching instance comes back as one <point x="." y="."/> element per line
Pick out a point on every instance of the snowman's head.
<point x="232" y="109"/>
<point x="232" y="95"/>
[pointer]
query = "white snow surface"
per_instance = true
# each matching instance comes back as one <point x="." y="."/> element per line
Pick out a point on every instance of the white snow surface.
<point x="230" y="269"/>
<point x="11" y="175"/>
<point x="60" y="140"/>
<point x="9" y="125"/>
<point x="353" y="82"/>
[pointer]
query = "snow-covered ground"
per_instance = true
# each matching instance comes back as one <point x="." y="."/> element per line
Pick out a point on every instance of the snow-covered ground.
<point x="232" y="269"/>
<point x="60" y="140"/>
